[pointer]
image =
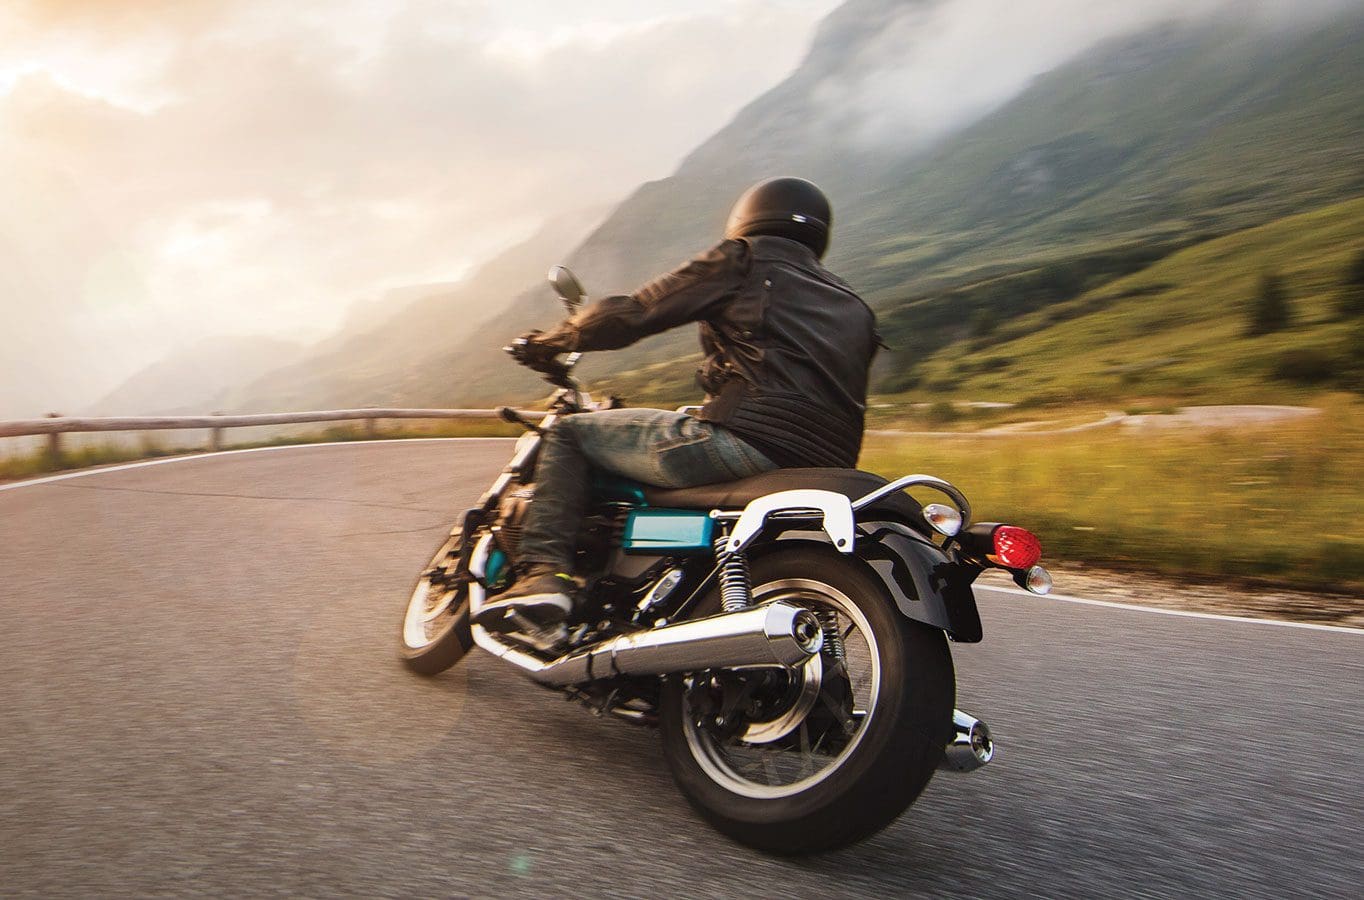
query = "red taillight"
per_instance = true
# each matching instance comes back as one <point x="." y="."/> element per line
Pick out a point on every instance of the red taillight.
<point x="1016" y="548"/>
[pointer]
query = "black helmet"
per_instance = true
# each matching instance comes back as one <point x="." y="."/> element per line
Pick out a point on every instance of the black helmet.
<point x="785" y="207"/>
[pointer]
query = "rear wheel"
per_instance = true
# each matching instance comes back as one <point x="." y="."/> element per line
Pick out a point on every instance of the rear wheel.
<point x="816" y="758"/>
<point x="435" y="630"/>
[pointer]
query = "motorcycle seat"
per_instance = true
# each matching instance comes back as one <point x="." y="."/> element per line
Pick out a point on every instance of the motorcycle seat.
<point x="851" y="483"/>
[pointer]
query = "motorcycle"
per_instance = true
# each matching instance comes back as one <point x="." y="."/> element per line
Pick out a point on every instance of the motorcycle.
<point x="787" y="633"/>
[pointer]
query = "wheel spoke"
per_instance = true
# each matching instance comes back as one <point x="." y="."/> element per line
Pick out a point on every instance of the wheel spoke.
<point x="787" y="764"/>
<point x="807" y="755"/>
<point x="431" y="601"/>
<point x="847" y="721"/>
<point x="438" y="609"/>
<point x="768" y="769"/>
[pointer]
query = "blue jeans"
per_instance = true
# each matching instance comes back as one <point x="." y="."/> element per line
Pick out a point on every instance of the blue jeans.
<point x="666" y="449"/>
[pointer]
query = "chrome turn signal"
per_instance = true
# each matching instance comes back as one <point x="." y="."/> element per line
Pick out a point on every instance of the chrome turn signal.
<point x="1037" y="580"/>
<point x="943" y="518"/>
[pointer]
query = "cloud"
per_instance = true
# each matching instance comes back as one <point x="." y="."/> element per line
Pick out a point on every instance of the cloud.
<point x="937" y="65"/>
<point x="181" y="168"/>
<point x="256" y="167"/>
<point x="120" y="16"/>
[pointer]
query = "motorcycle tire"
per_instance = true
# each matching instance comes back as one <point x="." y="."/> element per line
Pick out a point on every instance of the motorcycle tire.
<point x="427" y="650"/>
<point x="883" y="769"/>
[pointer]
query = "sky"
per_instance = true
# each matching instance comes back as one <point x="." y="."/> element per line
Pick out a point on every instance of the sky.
<point x="182" y="168"/>
<point x="177" y="169"/>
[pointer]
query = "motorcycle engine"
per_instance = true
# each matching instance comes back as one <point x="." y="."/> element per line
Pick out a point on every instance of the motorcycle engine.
<point x="511" y="519"/>
<point x="597" y="539"/>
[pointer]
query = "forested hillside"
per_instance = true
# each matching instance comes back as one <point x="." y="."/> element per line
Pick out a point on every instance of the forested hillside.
<point x="1137" y="149"/>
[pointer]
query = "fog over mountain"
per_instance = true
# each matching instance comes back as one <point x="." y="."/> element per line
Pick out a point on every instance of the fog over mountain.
<point x="923" y="69"/>
<point x="189" y="169"/>
<point x="179" y="169"/>
<point x="1181" y="129"/>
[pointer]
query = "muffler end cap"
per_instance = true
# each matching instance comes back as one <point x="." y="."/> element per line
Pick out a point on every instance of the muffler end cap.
<point x="971" y="746"/>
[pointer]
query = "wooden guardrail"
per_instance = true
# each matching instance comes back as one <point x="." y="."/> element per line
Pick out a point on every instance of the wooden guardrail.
<point x="54" y="425"/>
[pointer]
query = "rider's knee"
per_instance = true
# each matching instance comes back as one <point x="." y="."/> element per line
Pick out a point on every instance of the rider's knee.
<point x="567" y="429"/>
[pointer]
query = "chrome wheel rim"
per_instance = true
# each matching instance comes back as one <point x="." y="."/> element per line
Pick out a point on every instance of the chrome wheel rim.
<point x="431" y="608"/>
<point x="766" y="765"/>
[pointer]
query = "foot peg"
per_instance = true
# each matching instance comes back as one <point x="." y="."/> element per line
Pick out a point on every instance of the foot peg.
<point x="546" y="639"/>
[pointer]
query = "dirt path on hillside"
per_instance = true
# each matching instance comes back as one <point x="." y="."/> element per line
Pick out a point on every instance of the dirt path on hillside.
<point x="1221" y="417"/>
<point x="1186" y="417"/>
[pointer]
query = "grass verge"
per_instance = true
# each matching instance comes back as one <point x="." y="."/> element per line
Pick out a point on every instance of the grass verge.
<point x="1276" y="503"/>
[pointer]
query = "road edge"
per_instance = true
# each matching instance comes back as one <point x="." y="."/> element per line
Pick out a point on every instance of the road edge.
<point x="1061" y="598"/>
<point x="1182" y="613"/>
<point x="144" y="463"/>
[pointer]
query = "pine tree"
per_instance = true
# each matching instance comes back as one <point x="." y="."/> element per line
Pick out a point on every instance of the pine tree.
<point x="982" y="323"/>
<point x="1269" y="311"/>
<point x="1350" y="301"/>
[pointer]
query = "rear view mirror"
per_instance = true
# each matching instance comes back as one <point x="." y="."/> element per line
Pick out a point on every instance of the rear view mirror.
<point x="566" y="285"/>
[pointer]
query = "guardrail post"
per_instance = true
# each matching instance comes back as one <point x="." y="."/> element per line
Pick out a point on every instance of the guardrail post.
<point x="371" y="428"/>
<point x="215" y="437"/>
<point x="54" y="445"/>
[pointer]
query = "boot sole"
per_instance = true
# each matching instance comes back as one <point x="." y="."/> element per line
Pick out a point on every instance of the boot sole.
<point x="496" y="616"/>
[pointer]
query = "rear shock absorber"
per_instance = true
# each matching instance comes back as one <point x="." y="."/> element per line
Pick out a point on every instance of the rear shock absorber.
<point x="833" y="637"/>
<point x="735" y="591"/>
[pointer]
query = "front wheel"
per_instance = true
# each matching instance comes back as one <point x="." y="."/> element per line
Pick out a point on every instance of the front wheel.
<point x="816" y="758"/>
<point x="435" y="630"/>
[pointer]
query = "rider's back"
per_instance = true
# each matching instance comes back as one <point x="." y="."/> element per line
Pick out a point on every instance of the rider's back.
<point x="787" y="358"/>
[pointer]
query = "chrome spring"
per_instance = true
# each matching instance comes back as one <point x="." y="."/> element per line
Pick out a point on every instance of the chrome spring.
<point x="735" y="591"/>
<point x="833" y="637"/>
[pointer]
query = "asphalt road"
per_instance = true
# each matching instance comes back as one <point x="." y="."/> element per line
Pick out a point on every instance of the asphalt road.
<point x="199" y="695"/>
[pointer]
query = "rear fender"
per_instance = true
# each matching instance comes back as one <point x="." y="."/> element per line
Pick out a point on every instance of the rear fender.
<point x="927" y="584"/>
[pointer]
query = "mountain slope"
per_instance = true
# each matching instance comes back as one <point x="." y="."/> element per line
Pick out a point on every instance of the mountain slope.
<point x="398" y="359"/>
<point x="196" y="380"/>
<point x="1130" y="151"/>
<point x="1177" y="133"/>
<point x="1205" y="128"/>
<point x="1179" y="327"/>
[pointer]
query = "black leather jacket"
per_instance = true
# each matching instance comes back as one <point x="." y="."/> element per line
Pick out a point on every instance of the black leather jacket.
<point x="787" y="344"/>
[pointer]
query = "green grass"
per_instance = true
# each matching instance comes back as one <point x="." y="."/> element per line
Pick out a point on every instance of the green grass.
<point x="1276" y="503"/>
<point x="1176" y="329"/>
<point x="1279" y="503"/>
<point x="38" y="462"/>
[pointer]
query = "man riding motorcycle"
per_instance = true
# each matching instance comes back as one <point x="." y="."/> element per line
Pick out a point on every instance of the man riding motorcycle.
<point x="787" y="350"/>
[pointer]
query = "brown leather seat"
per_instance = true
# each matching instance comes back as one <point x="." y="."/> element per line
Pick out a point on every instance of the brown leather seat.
<point x="851" y="483"/>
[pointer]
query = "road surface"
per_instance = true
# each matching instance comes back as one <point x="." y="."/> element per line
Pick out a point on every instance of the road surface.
<point x="199" y="695"/>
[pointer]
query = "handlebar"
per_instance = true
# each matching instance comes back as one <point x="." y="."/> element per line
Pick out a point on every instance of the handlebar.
<point x="558" y="372"/>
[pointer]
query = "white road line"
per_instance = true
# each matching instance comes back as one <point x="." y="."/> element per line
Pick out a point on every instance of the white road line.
<point x="33" y="482"/>
<point x="1245" y="620"/>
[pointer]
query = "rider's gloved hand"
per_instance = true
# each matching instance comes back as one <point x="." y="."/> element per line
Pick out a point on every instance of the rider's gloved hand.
<point x="530" y="352"/>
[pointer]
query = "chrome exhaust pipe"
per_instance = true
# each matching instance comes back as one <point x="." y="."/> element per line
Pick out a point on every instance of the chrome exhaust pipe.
<point x="971" y="746"/>
<point x="775" y="634"/>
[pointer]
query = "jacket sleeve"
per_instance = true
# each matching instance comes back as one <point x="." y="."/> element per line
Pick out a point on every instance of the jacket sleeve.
<point x="687" y="294"/>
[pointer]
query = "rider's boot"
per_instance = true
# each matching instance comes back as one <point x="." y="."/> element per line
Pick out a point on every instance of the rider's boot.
<point x="541" y="595"/>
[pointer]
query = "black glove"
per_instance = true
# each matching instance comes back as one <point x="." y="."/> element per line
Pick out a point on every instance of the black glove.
<point x="527" y="349"/>
<point x="529" y="352"/>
